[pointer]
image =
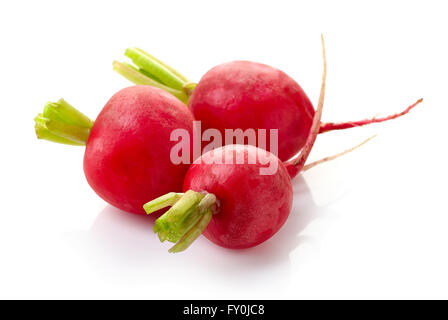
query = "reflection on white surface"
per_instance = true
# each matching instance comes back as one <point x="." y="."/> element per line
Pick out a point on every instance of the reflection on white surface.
<point x="127" y="243"/>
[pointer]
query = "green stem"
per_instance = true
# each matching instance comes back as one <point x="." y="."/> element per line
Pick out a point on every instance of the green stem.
<point x="189" y="88"/>
<point x="192" y="234"/>
<point x="151" y="76"/>
<point x="185" y="220"/>
<point x="171" y="69"/>
<point x="42" y="132"/>
<point x="153" y="72"/>
<point x="138" y="77"/>
<point x="64" y="112"/>
<point x="62" y="123"/>
<point x="164" y="201"/>
<point x="155" y="67"/>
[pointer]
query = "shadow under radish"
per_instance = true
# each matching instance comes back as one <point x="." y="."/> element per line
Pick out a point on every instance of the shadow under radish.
<point x="119" y="241"/>
<point x="275" y="253"/>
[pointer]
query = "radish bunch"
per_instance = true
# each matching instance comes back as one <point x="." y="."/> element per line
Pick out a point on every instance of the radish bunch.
<point x="128" y="148"/>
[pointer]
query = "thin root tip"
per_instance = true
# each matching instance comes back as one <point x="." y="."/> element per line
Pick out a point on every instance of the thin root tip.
<point x="370" y="138"/>
<point x="322" y="39"/>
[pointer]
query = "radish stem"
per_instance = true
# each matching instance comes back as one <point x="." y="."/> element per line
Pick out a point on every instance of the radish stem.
<point x="62" y="123"/>
<point x="64" y="112"/>
<point x="154" y="72"/>
<point x="295" y="165"/>
<point x="139" y="78"/>
<point x="189" y="88"/>
<point x="171" y="69"/>
<point x="42" y="132"/>
<point x="164" y="201"/>
<point x="156" y="68"/>
<point x="185" y="220"/>
<point x="144" y="73"/>
<point x="192" y="234"/>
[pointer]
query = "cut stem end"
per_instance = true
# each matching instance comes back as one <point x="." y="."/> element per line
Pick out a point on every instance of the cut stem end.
<point x="62" y="123"/>
<point x="188" y="217"/>
<point x="148" y="70"/>
<point x="295" y="165"/>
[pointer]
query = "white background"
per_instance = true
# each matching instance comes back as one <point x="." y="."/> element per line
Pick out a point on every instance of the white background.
<point x="373" y="224"/>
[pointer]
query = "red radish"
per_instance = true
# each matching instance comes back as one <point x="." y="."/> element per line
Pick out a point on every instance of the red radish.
<point x="232" y="202"/>
<point x="252" y="207"/>
<point x="244" y="94"/>
<point x="247" y="208"/>
<point x="127" y="156"/>
<point x="241" y="95"/>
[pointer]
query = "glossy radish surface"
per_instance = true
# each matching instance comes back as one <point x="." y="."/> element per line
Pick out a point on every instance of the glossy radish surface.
<point x="244" y="94"/>
<point x="127" y="156"/>
<point x="252" y="207"/>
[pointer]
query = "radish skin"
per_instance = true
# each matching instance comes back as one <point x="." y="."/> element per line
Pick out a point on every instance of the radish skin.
<point x="248" y="95"/>
<point x="127" y="157"/>
<point x="252" y="207"/>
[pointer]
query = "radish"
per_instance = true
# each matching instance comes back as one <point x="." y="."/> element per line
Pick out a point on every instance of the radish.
<point x="127" y="156"/>
<point x="244" y="94"/>
<point x="240" y="95"/>
<point x="239" y="207"/>
<point x="233" y="203"/>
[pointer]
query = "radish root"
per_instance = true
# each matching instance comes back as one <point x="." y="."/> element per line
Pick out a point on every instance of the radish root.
<point x="329" y="158"/>
<point x="295" y="165"/>
<point x="330" y="126"/>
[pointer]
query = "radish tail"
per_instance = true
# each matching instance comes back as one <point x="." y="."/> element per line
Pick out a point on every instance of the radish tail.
<point x="315" y="163"/>
<point x="330" y="126"/>
<point x="295" y="165"/>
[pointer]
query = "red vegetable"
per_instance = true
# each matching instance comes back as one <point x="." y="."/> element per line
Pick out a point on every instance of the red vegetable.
<point x="241" y="95"/>
<point x="252" y="207"/>
<point x="127" y="157"/>
<point x="244" y="94"/>
<point x="231" y="201"/>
